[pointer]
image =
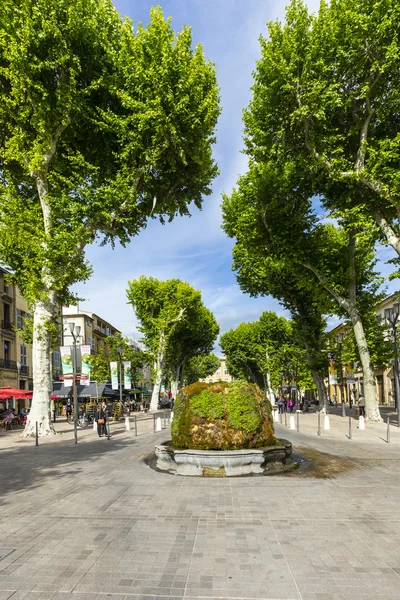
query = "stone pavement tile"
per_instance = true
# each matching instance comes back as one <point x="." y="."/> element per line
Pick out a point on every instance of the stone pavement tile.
<point x="67" y="596"/>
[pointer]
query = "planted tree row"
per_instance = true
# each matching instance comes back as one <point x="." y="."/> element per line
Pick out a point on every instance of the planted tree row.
<point x="322" y="188"/>
<point x="102" y="126"/>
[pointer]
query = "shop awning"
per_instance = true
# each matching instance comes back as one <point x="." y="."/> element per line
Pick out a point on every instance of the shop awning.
<point x="103" y="390"/>
<point x="12" y="392"/>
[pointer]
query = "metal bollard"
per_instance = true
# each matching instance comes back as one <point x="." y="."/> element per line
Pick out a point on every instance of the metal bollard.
<point x="298" y="422"/>
<point x="154" y="422"/>
<point x="350" y="433"/>
<point x="165" y="419"/>
<point x="343" y="409"/>
<point x="135" y="426"/>
<point x="388" y="431"/>
<point x="319" y="424"/>
<point x="280" y="418"/>
<point x="285" y="418"/>
<point x="398" y="415"/>
<point x="37" y="434"/>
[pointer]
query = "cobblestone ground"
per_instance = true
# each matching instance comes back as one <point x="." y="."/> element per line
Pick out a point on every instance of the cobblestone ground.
<point x="93" y="521"/>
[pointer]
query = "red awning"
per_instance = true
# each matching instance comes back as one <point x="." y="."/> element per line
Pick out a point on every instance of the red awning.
<point x="12" y="392"/>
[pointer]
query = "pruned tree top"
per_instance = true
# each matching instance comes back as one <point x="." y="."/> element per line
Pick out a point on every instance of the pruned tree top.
<point x="102" y="125"/>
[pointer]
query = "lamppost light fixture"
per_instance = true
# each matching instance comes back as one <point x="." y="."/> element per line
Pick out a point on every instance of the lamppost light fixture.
<point x="71" y="327"/>
<point x="396" y="308"/>
<point x="77" y="330"/>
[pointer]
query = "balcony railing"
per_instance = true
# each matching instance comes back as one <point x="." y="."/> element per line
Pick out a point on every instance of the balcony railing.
<point x="103" y="330"/>
<point x="7" y="325"/>
<point x="8" y="364"/>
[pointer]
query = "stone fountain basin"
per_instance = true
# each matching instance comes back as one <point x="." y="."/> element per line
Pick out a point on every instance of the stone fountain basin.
<point x="226" y="463"/>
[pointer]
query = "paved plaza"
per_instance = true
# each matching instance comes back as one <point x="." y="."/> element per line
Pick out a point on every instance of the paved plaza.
<point x="92" y="521"/>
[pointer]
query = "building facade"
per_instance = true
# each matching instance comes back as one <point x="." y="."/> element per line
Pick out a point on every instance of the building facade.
<point x="351" y="384"/>
<point x="94" y="329"/>
<point x="221" y="374"/>
<point x="15" y="353"/>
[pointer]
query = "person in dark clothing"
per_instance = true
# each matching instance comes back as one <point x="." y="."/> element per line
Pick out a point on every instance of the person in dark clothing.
<point x="100" y="418"/>
<point x="68" y="408"/>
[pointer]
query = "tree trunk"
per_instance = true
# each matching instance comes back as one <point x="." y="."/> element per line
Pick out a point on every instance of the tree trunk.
<point x="321" y="389"/>
<point x="267" y="385"/>
<point x="349" y="305"/>
<point x="45" y="310"/>
<point x="175" y="380"/>
<point x="371" y="401"/>
<point x="158" y="367"/>
<point x="317" y="377"/>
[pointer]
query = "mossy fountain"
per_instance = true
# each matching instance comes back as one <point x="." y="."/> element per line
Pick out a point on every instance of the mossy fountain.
<point x="221" y="430"/>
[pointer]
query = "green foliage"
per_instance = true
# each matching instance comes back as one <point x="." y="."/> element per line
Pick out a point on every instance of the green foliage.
<point x="242" y="407"/>
<point x="103" y="126"/>
<point x="99" y="367"/>
<point x="325" y="91"/>
<point x="307" y="252"/>
<point x="208" y="405"/>
<point x="173" y="319"/>
<point x="265" y="348"/>
<point x="100" y="362"/>
<point x="200" y="367"/>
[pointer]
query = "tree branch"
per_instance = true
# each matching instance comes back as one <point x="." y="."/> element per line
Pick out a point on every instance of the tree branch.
<point x="352" y="264"/>
<point x="53" y="144"/>
<point x="343" y="302"/>
<point x="392" y="237"/>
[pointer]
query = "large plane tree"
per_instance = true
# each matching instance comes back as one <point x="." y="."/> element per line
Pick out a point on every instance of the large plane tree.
<point x="102" y="125"/>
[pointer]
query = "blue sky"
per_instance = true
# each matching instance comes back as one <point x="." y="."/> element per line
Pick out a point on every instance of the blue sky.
<point x="194" y="249"/>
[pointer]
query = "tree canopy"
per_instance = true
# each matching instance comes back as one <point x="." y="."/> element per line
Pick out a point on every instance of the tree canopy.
<point x="102" y="126"/>
<point x="176" y="325"/>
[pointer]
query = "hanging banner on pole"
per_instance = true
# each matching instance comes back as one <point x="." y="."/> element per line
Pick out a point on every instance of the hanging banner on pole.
<point x="114" y="375"/>
<point x="348" y="373"/>
<point x="127" y="375"/>
<point x="332" y="369"/>
<point x="85" y="366"/>
<point x="67" y="365"/>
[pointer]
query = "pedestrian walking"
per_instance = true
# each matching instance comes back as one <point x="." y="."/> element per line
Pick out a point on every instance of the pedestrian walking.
<point x="280" y="405"/>
<point x="100" y="418"/>
<point x="68" y="408"/>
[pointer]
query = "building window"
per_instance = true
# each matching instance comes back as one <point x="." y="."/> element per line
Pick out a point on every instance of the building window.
<point x="23" y="355"/>
<point x="6" y="289"/>
<point x="7" y="321"/>
<point x="20" y="319"/>
<point x="6" y="350"/>
<point x="91" y="343"/>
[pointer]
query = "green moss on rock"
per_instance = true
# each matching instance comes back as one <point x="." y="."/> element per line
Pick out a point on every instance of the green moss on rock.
<point x="243" y="407"/>
<point x="208" y="404"/>
<point x="222" y="416"/>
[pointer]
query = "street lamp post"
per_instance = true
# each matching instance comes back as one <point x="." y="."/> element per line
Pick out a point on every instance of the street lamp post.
<point x="289" y="379"/>
<point x="75" y="332"/>
<point x="119" y="350"/>
<point x="339" y="339"/>
<point x="392" y="316"/>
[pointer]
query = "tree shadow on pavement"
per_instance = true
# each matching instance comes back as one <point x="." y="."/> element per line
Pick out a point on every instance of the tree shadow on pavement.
<point x="28" y="466"/>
